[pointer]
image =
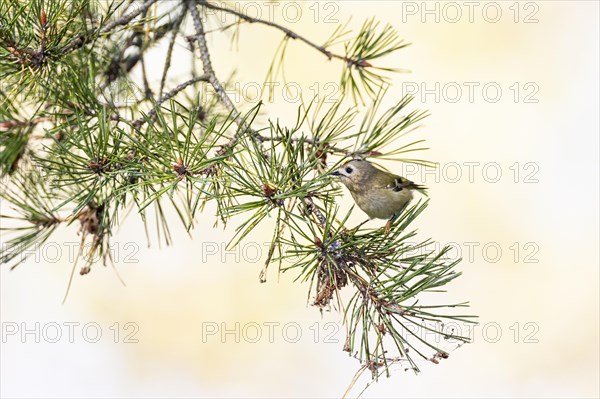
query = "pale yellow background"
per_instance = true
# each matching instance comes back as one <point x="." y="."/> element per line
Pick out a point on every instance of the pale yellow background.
<point x="170" y="292"/>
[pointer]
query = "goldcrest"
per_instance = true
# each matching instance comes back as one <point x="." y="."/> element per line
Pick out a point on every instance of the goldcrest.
<point x="378" y="193"/>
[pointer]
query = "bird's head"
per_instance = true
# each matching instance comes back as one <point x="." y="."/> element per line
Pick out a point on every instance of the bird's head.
<point x="353" y="174"/>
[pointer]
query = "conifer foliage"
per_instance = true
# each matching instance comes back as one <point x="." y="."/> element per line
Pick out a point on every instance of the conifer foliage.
<point x="90" y="137"/>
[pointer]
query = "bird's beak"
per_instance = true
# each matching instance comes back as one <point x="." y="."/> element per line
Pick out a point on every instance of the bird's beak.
<point x="336" y="173"/>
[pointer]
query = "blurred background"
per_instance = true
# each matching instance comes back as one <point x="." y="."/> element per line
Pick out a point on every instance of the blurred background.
<point x="512" y="88"/>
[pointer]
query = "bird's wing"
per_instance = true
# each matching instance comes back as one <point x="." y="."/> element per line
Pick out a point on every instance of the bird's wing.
<point x="397" y="183"/>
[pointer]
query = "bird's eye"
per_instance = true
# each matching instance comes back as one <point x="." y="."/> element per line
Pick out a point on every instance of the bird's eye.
<point x="348" y="170"/>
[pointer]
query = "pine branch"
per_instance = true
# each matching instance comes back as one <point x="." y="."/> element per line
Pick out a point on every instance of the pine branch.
<point x="186" y="152"/>
<point x="208" y="69"/>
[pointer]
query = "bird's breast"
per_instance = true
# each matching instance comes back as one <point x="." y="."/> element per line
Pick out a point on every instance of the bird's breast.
<point x="382" y="203"/>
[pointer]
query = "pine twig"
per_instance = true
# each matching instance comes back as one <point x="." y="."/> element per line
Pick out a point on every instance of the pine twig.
<point x="312" y="208"/>
<point x="139" y="122"/>
<point x="124" y="20"/>
<point x="288" y="32"/>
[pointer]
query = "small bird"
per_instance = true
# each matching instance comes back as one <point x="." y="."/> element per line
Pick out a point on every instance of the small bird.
<point x="378" y="193"/>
